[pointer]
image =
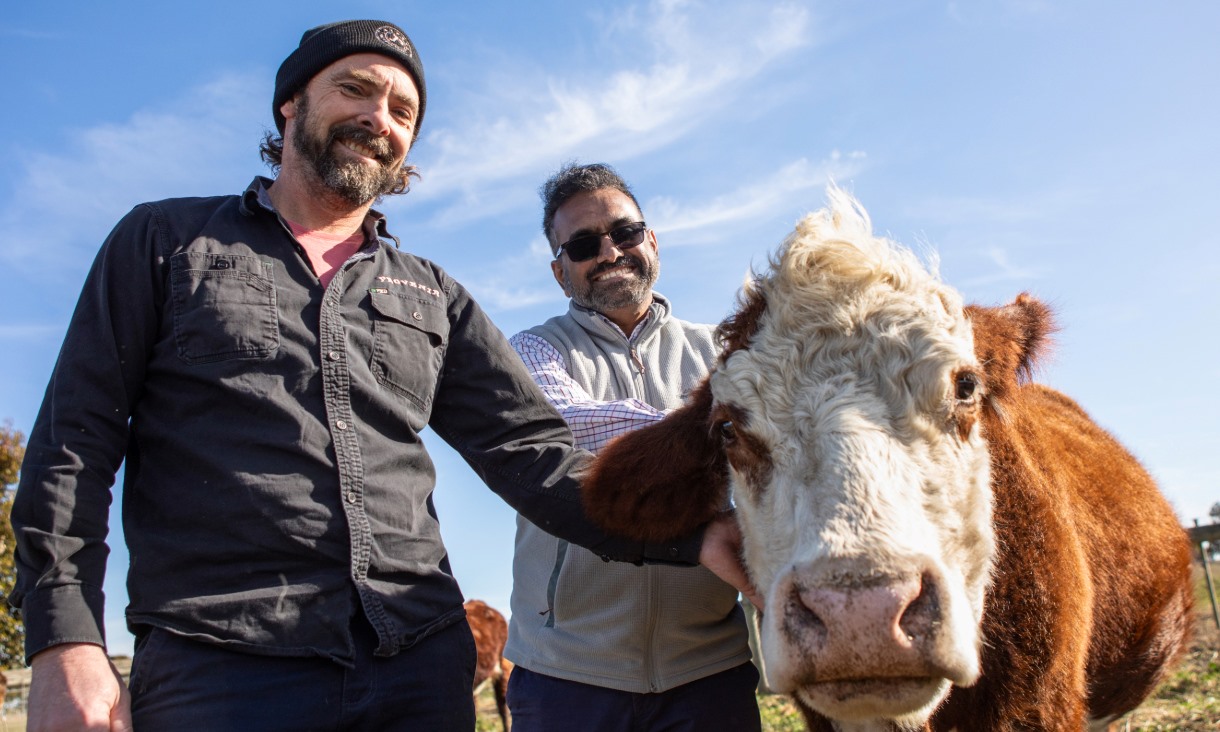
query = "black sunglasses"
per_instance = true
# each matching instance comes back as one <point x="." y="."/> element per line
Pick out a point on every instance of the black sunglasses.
<point x="583" y="248"/>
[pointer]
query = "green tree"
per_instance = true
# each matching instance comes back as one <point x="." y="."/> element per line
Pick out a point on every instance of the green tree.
<point x="12" y="632"/>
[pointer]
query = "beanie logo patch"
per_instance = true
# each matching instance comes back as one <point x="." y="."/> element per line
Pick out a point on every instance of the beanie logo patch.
<point x="391" y="36"/>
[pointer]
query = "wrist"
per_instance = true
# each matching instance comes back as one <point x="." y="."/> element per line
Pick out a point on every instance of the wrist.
<point x="67" y="654"/>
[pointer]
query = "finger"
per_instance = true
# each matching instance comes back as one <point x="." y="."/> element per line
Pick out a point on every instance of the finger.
<point x="120" y="713"/>
<point x="755" y="600"/>
<point x="120" y="716"/>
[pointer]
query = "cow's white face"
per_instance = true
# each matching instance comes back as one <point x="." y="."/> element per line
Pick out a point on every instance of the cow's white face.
<point x="860" y="478"/>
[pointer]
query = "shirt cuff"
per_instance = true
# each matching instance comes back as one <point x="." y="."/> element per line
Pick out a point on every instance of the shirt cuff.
<point x="63" y="614"/>
<point x="683" y="551"/>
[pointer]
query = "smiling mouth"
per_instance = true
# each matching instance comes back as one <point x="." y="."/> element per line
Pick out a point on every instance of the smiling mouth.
<point x="620" y="270"/>
<point x="361" y="150"/>
<point x="614" y="274"/>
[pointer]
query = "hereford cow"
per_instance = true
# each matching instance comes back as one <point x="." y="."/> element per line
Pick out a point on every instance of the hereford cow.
<point x="940" y="544"/>
<point x="490" y="632"/>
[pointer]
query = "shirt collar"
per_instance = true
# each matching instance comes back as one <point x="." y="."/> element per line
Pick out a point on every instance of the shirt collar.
<point x="656" y="312"/>
<point x="257" y="196"/>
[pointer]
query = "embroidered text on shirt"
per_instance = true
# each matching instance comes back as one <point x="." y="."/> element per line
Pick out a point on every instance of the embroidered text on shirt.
<point x="408" y="283"/>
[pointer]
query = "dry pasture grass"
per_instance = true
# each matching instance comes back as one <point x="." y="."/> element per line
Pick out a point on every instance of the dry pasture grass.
<point x="1188" y="701"/>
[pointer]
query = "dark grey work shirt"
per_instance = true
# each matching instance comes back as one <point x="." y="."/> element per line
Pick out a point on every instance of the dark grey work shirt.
<point x="275" y="479"/>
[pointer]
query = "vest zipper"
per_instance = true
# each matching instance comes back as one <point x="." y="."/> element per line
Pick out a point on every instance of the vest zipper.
<point x="650" y="647"/>
<point x="635" y="358"/>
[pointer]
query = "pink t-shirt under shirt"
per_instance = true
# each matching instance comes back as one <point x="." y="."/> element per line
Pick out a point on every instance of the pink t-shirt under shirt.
<point x="326" y="251"/>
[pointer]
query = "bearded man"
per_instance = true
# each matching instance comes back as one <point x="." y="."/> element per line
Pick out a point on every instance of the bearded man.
<point x="265" y="363"/>
<point x="610" y="647"/>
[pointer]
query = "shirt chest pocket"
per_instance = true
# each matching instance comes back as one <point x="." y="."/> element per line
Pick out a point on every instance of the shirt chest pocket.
<point x="409" y="338"/>
<point x="223" y="307"/>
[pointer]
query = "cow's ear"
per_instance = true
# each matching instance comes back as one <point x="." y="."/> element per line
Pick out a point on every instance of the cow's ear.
<point x="736" y="331"/>
<point x="1009" y="340"/>
<point x="662" y="481"/>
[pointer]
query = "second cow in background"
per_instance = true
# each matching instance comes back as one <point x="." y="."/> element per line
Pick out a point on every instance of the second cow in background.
<point x="490" y="631"/>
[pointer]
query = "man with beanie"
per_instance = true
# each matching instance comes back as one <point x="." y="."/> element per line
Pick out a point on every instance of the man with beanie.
<point x="264" y="364"/>
<point x="677" y="656"/>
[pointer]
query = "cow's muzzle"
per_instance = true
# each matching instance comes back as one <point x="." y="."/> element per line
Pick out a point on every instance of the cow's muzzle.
<point x="858" y="638"/>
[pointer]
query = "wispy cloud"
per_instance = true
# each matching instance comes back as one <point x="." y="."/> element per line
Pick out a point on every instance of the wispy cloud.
<point x="787" y="187"/>
<point x="996" y="239"/>
<point x="698" y="61"/>
<point x="65" y="201"/>
<point x="523" y="279"/>
<point x="1002" y="270"/>
<point x="517" y="281"/>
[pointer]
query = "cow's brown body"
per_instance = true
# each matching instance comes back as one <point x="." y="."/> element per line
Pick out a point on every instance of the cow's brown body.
<point x="1091" y="599"/>
<point x="490" y="631"/>
<point x="1086" y="598"/>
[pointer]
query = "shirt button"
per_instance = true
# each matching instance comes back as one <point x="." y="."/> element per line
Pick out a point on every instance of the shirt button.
<point x="351" y="497"/>
<point x="341" y="425"/>
<point x="417" y="315"/>
<point x="333" y="355"/>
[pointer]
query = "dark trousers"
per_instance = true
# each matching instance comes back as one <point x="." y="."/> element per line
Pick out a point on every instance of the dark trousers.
<point x="723" y="702"/>
<point x="182" y="684"/>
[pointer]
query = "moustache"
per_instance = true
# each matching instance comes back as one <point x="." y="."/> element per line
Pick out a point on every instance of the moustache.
<point x="380" y="146"/>
<point x="624" y="261"/>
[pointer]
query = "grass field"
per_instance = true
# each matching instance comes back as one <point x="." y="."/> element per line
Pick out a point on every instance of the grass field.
<point x="1188" y="701"/>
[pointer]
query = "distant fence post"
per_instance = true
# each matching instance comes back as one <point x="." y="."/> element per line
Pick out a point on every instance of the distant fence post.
<point x="1198" y="535"/>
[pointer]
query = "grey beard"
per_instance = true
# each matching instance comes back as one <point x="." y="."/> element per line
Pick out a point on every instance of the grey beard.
<point x="618" y="295"/>
<point x="353" y="182"/>
<point x="350" y="180"/>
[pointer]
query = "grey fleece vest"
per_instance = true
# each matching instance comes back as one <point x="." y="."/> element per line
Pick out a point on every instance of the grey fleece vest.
<point x="612" y="624"/>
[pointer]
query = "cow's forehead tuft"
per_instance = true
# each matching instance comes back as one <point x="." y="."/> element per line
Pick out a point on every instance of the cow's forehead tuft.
<point x="841" y="317"/>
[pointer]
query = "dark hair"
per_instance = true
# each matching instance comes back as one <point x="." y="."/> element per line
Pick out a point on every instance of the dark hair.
<point x="271" y="150"/>
<point x="570" y="180"/>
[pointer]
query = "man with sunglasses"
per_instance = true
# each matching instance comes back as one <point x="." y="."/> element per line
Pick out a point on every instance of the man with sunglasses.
<point x="610" y="647"/>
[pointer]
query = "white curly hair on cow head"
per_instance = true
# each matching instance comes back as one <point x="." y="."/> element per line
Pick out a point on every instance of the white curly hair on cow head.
<point x="848" y="402"/>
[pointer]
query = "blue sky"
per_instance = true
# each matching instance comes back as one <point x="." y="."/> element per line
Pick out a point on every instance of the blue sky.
<point x="1068" y="149"/>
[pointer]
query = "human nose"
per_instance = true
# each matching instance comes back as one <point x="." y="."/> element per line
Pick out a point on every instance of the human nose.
<point x="375" y="116"/>
<point x="609" y="251"/>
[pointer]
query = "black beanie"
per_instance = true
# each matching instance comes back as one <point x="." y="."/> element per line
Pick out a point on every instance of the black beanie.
<point x="322" y="46"/>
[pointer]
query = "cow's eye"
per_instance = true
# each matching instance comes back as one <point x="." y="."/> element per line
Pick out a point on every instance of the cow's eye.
<point x="965" y="385"/>
<point x="728" y="430"/>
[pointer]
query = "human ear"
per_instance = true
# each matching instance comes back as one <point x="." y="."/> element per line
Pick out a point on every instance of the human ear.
<point x="289" y="108"/>
<point x="557" y="270"/>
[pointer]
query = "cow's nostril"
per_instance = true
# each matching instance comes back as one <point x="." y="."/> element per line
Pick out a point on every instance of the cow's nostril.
<point x="921" y="618"/>
<point x="801" y="617"/>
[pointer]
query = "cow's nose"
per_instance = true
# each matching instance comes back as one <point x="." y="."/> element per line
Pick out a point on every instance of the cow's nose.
<point x="864" y="625"/>
<point x="892" y="613"/>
